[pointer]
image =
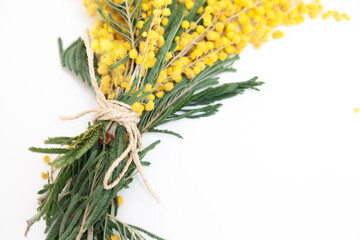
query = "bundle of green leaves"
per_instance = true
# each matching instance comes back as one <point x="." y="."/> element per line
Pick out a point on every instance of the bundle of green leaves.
<point x="76" y="205"/>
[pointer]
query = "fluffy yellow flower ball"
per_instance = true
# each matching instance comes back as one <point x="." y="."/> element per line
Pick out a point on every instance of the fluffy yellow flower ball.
<point x="133" y="54"/>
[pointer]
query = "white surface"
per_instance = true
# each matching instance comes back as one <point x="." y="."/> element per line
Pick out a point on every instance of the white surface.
<point x="278" y="164"/>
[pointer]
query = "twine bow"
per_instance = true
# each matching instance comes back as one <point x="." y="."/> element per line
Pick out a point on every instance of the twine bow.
<point x="112" y="110"/>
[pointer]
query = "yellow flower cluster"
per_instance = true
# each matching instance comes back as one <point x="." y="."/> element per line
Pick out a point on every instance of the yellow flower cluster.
<point x="90" y="6"/>
<point x="336" y="15"/>
<point x="224" y="28"/>
<point x="110" y="47"/>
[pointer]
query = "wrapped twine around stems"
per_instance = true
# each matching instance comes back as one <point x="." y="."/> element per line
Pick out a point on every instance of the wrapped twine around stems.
<point x="121" y="113"/>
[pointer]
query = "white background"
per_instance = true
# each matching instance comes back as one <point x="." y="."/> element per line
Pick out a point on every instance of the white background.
<point x="282" y="163"/>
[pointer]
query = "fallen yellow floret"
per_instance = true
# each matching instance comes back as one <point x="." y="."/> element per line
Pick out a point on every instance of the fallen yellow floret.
<point x="44" y="175"/>
<point x="278" y="34"/>
<point x="46" y="159"/>
<point x="119" y="200"/>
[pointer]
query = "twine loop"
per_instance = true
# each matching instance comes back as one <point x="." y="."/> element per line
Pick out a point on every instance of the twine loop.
<point x="121" y="113"/>
<point x="118" y="112"/>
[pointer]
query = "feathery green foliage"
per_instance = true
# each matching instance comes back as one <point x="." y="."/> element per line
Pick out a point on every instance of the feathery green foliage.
<point x="75" y="60"/>
<point x="130" y="12"/>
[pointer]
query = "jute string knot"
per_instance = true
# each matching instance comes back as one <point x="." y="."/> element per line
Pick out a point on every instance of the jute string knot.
<point x="116" y="111"/>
